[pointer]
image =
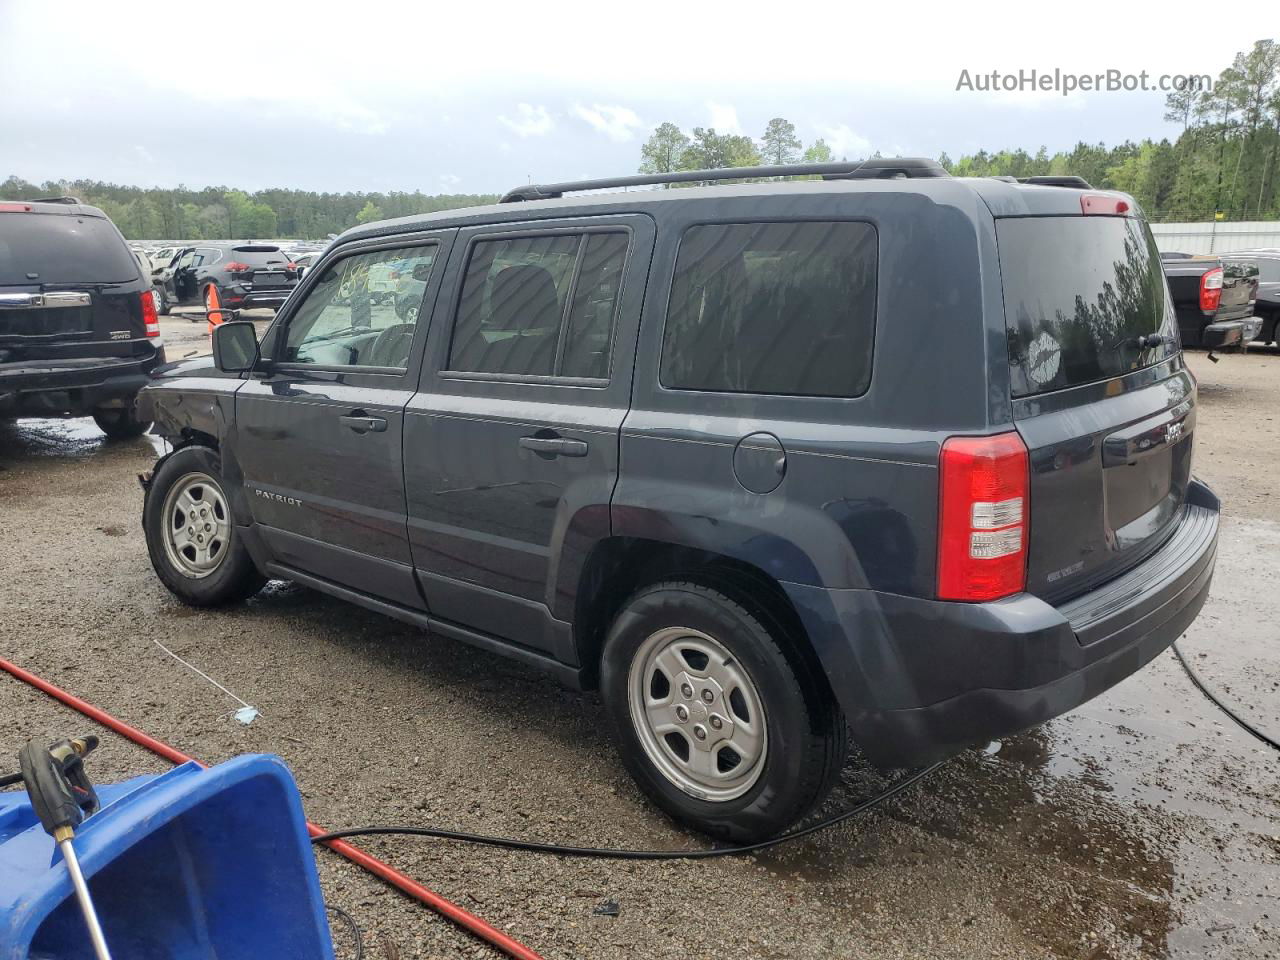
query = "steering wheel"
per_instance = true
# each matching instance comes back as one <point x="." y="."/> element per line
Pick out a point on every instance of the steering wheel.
<point x="391" y="348"/>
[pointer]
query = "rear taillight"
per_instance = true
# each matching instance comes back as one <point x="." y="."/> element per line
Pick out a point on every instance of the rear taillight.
<point x="150" y="321"/>
<point x="982" y="522"/>
<point x="1211" y="290"/>
<point x="236" y="267"/>
<point x="15" y="208"/>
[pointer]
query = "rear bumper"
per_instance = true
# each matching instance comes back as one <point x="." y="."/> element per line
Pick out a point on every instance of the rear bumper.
<point x="922" y="679"/>
<point x="1224" y="333"/>
<point x="50" y="387"/>
<point x="242" y="296"/>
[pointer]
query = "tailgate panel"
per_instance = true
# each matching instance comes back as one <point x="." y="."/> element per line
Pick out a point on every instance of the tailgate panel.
<point x="1110" y="470"/>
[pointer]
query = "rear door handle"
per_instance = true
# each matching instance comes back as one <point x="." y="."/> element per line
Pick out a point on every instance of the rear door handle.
<point x="555" y="446"/>
<point x="361" y="422"/>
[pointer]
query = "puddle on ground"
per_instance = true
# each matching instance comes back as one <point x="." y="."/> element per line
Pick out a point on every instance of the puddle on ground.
<point x="74" y="437"/>
<point x="1131" y="827"/>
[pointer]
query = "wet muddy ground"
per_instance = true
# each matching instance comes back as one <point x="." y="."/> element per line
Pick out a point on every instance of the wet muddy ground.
<point x="1144" y="824"/>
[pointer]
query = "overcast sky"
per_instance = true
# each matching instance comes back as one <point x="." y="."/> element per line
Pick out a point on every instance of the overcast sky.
<point x="476" y="97"/>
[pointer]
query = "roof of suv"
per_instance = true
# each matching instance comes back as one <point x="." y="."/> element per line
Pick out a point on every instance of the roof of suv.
<point x="1000" y="197"/>
<point x="68" y="207"/>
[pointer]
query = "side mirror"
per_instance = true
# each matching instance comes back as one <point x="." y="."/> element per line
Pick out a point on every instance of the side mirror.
<point x="235" y="346"/>
<point x="422" y="271"/>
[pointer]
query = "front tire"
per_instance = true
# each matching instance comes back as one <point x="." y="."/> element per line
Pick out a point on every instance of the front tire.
<point x="191" y="532"/>
<point x="120" y="423"/>
<point x="719" y="721"/>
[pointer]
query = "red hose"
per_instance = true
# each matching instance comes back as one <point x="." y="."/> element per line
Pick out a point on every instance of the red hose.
<point x="446" y="908"/>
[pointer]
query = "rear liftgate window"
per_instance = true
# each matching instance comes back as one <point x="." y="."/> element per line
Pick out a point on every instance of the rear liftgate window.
<point x="57" y="248"/>
<point x="773" y="308"/>
<point x="1079" y="292"/>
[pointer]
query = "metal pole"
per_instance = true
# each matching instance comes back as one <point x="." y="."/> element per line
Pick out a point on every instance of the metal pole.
<point x="86" y="904"/>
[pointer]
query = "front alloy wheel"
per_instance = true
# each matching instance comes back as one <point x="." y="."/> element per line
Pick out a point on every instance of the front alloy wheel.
<point x="192" y="536"/>
<point x="197" y="525"/>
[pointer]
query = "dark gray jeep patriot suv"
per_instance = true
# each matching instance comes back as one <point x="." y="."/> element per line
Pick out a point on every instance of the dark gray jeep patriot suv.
<point x="878" y="453"/>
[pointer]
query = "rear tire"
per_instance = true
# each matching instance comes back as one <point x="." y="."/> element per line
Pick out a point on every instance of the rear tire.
<point x="120" y="423"/>
<point x="187" y="500"/>
<point x="754" y="740"/>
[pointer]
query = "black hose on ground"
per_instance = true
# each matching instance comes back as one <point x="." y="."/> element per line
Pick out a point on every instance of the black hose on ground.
<point x="607" y="853"/>
<point x="1217" y="702"/>
<point x="357" y="935"/>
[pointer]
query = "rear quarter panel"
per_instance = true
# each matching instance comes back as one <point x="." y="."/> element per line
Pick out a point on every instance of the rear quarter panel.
<point x="857" y="505"/>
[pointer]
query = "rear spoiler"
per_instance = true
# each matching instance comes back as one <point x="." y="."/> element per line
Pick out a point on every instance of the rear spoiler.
<point x="1074" y="183"/>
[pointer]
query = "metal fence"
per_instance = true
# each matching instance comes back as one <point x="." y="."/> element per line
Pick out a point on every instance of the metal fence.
<point x="1214" y="237"/>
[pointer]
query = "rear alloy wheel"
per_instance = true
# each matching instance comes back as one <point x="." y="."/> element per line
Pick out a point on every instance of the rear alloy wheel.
<point x="120" y="423"/>
<point x="720" y="720"/>
<point x="697" y="714"/>
<point x="191" y="533"/>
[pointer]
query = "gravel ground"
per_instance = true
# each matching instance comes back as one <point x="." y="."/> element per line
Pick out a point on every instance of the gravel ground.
<point x="1142" y="825"/>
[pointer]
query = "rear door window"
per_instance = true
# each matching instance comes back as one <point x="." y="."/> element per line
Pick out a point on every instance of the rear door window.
<point x="540" y="306"/>
<point x="57" y="249"/>
<point x="773" y="308"/>
<point x="1078" y="293"/>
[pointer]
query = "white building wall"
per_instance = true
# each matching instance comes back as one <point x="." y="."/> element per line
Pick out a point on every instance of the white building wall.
<point x="1216" y="237"/>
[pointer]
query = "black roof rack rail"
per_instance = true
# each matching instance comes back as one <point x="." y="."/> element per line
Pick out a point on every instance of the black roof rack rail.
<point x="54" y="200"/>
<point x="877" y="168"/>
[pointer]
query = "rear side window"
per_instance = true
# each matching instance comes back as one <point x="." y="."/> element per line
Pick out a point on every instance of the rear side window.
<point x="773" y="308"/>
<point x="1078" y="293"/>
<point x="53" y="248"/>
<point x="540" y="305"/>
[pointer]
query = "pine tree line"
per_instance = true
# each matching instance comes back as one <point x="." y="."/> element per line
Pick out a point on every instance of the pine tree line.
<point x="1224" y="163"/>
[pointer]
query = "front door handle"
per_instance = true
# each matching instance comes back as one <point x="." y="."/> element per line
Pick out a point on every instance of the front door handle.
<point x="555" y="446"/>
<point x="361" y="422"/>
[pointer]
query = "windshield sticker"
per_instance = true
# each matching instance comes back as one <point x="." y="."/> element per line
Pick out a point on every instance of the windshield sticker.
<point x="1043" y="358"/>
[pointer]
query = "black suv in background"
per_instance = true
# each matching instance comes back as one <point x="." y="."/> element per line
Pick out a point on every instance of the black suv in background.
<point x="78" y="327"/>
<point x="887" y="452"/>
<point x="240" y="275"/>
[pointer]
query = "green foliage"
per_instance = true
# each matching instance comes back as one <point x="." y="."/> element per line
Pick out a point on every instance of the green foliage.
<point x="780" y="143"/>
<point x="220" y="213"/>
<point x="818" y="152"/>
<point x="1226" y="159"/>
<point x="369" y="213"/>
<point x="709" y="150"/>
<point x="661" y="153"/>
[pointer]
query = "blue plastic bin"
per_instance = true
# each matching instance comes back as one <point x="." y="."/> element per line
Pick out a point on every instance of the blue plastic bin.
<point x="192" y="863"/>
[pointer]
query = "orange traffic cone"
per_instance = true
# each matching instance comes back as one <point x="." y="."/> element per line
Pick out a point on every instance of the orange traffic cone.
<point x="213" y="307"/>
